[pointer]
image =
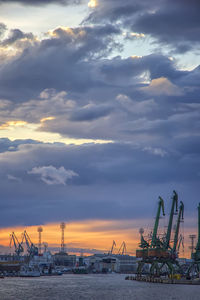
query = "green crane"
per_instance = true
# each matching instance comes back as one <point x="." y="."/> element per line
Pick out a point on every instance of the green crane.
<point x="173" y="211"/>
<point x="176" y="235"/>
<point x="198" y="242"/>
<point x="196" y="254"/>
<point x="155" y="242"/>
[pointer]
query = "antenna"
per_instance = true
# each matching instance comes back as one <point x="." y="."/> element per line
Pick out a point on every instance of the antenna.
<point x="40" y="229"/>
<point x="62" y="227"/>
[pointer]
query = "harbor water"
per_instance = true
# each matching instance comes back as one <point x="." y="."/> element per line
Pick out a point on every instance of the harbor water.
<point x="100" y="287"/>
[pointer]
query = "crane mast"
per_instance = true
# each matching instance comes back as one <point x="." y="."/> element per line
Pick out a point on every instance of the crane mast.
<point x="155" y="240"/>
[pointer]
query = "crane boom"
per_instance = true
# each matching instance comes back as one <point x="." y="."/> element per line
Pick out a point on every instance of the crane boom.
<point x="31" y="248"/>
<point x="112" y="248"/>
<point x="155" y="230"/>
<point x="122" y="249"/>
<point x="174" y="209"/>
<point x="180" y="217"/>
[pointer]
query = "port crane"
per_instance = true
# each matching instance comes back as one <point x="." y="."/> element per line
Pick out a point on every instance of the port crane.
<point x="112" y="248"/>
<point x="196" y="255"/>
<point x="122" y="249"/>
<point x="160" y="252"/>
<point x="170" y="255"/>
<point x="149" y="250"/>
<point x="174" y="210"/>
<point x="31" y="248"/>
<point x="18" y="246"/>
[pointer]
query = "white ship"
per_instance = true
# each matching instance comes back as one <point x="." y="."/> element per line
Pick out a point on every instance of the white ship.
<point x="27" y="271"/>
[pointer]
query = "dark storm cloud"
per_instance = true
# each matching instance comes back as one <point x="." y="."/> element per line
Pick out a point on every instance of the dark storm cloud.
<point x="64" y="61"/>
<point x="175" y="22"/>
<point x="114" y="173"/>
<point x="147" y="105"/>
<point x="157" y="65"/>
<point x="124" y="106"/>
<point x="172" y="23"/>
<point x="41" y="2"/>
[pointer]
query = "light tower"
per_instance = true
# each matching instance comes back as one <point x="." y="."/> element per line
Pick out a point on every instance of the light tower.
<point x="62" y="227"/>
<point x="40" y="229"/>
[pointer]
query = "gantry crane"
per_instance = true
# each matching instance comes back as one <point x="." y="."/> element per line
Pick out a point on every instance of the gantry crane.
<point x="171" y="255"/>
<point x="18" y="246"/>
<point x="159" y="252"/>
<point x="196" y="255"/>
<point x="31" y="248"/>
<point x="122" y="249"/>
<point x="148" y="252"/>
<point x="112" y="248"/>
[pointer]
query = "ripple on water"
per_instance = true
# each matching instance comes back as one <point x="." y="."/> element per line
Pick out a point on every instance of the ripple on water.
<point x="97" y="287"/>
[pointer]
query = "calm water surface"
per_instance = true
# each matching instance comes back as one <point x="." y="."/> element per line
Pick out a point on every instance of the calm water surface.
<point x="104" y="287"/>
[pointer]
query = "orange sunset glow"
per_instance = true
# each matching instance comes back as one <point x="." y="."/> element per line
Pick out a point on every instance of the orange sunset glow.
<point x="88" y="235"/>
<point x="95" y="234"/>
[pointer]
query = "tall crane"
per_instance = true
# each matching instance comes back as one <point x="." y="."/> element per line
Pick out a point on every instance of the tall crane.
<point x="196" y="255"/>
<point x="198" y="241"/>
<point x="112" y="248"/>
<point x="179" y="219"/>
<point x="31" y="248"/>
<point x="122" y="249"/>
<point x="155" y="242"/>
<point x="174" y="210"/>
<point x="18" y="247"/>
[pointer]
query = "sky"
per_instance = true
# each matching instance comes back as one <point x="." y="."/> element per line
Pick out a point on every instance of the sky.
<point x="99" y="115"/>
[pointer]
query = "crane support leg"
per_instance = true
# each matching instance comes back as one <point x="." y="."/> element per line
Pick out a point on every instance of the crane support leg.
<point x="140" y="267"/>
<point x="155" y="270"/>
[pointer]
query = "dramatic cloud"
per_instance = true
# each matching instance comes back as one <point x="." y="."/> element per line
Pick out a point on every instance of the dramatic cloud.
<point x="121" y="177"/>
<point x="65" y="60"/>
<point x="50" y="175"/>
<point x="164" y="20"/>
<point x="79" y="83"/>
